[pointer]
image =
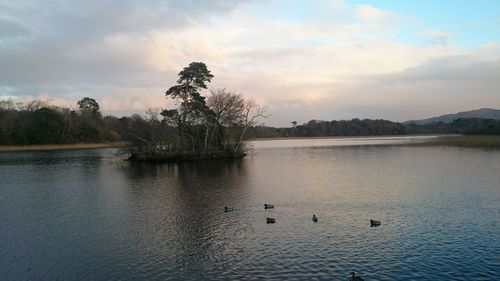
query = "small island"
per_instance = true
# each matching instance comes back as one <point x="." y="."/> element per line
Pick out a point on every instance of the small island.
<point x="200" y="127"/>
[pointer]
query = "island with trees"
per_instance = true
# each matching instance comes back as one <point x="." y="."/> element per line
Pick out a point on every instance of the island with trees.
<point x="201" y="127"/>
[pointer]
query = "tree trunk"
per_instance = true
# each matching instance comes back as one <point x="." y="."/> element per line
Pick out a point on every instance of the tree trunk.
<point x="206" y="138"/>
<point x="193" y="144"/>
<point x="237" y="146"/>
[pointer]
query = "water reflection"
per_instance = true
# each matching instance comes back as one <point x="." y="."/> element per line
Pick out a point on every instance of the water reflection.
<point x="214" y="167"/>
<point x="185" y="203"/>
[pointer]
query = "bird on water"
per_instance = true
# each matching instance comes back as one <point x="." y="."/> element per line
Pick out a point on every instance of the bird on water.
<point x="374" y="223"/>
<point x="355" y="278"/>
<point x="315" y="219"/>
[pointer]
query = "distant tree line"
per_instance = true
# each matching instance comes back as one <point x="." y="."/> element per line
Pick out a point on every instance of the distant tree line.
<point x="224" y="121"/>
<point x="38" y="122"/>
<point x="369" y="127"/>
<point x="467" y="126"/>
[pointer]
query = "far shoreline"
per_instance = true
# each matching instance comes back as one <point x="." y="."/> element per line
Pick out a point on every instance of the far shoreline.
<point x="432" y="139"/>
<point x="348" y="137"/>
<point x="55" y="147"/>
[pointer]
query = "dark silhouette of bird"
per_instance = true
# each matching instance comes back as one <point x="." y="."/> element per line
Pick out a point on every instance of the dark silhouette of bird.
<point x="355" y="278"/>
<point x="374" y="223"/>
<point x="270" y="220"/>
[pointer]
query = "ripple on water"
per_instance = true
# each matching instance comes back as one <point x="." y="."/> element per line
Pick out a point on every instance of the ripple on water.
<point x="91" y="217"/>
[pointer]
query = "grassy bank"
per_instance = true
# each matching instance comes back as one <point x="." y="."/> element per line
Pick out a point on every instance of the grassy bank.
<point x="492" y="141"/>
<point x="49" y="147"/>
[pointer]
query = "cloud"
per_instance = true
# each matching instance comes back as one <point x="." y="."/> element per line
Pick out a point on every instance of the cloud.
<point x="436" y="86"/>
<point x="10" y="29"/>
<point x="90" y="43"/>
<point x="437" y="38"/>
<point x="369" y="13"/>
<point x="94" y="19"/>
<point x="454" y="69"/>
<point x="335" y="61"/>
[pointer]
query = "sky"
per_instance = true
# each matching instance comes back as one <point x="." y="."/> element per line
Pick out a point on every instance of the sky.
<point x="303" y="60"/>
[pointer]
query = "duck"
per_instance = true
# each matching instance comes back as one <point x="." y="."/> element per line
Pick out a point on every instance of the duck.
<point x="374" y="223"/>
<point x="268" y="206"/>
<point x="315" y="219"/>
<point x="228" y="209"/>
<point x="270" y="220"/>
<point x="355" y="278"/>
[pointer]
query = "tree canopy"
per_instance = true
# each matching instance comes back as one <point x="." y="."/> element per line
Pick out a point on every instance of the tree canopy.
<point x="88" y="104"/>
<point x="191" y="80"/>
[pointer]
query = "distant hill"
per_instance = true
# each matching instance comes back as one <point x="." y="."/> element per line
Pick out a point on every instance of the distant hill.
<point x="486" y="113"/>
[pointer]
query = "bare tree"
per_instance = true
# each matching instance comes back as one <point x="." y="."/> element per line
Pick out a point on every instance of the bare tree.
<point x="226" y="111"/>
<point x="153" y="117"/>
<point x="36" y="104"/>
<point x="7" y="104"/>
<point x="154" y="113"/>
<point x="227" y="107"/>
<point x="251" y="113"/>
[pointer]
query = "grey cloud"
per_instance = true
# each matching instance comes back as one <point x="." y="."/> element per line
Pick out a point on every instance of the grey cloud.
<point x="63" y="43"/>
<point x="10" y="29"/>
<point x="94" y="19"/>
<point x="53" y="64"/>
<point x="452" y="68"/>
<point x="273" y="54"/>
<point x="440" y="41"/>
<point x="439" y="86"/>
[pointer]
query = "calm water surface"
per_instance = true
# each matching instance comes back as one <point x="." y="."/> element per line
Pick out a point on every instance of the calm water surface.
<point x="88" y="215"/>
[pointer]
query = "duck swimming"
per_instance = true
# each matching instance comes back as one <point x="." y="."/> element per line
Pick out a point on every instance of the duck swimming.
<point x="227" y="209"/>
<point x="315" y="219"/>
<point x="268" y="206"/>
<point x="355" y="278"/>
<point x="270" y="220"/>
<point x="374" y="223"/>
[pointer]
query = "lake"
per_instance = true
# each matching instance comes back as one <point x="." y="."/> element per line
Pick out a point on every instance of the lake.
<point x="89" y="215"/>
